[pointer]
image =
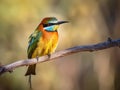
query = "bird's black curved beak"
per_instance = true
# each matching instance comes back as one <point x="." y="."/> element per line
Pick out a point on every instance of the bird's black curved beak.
<point x="61" y="22"/>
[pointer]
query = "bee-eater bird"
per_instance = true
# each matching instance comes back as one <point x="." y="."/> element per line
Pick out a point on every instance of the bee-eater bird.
<point x="43" y="41"/>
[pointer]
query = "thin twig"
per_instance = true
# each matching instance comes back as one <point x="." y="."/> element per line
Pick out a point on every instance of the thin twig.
<point x="95" y="47"/>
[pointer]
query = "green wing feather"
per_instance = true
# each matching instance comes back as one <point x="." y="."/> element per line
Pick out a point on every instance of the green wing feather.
<point x="33" y="40"/>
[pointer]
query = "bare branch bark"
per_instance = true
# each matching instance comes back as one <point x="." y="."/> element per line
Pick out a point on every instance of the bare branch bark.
<point x="95" y="47"/>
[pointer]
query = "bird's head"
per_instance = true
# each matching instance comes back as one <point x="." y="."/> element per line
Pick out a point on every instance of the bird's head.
<point x="51" y="23"/>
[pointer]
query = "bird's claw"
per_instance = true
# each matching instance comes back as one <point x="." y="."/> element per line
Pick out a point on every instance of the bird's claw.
<point x="109" y="39"/>
<point x="37" y="58"/>
<point x="49" y="55"/>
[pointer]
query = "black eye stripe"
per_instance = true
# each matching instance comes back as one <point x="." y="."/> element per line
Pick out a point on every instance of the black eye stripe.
<point x="49" y="24"/>
<point x="45" y="25"/>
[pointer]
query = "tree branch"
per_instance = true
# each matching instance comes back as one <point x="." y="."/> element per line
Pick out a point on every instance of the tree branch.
<point x="95" y="47"/>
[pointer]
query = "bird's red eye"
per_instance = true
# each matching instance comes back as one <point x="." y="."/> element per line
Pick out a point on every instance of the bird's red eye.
<point x="49" y="24"/>
<point x="45" y="25"/>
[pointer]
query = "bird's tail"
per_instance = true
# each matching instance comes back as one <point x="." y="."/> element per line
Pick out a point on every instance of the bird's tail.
<point x="30" y="72"/>
<point x="30" y="82"/>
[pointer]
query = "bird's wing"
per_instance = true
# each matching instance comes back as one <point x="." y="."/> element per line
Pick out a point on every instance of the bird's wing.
<point x="33" y="40"/>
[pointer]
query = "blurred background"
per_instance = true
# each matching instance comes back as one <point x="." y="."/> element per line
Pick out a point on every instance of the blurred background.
<point x="91" y="22"/>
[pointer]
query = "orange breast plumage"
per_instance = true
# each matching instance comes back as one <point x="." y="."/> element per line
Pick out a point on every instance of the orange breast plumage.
<point x="47" y="44"/>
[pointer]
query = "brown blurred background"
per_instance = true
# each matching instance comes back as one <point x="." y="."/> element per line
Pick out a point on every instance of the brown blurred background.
<point x="91" y="21"/>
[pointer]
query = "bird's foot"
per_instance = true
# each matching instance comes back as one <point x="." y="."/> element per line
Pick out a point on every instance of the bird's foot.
<point x="37" y="58"/>
<point x="109" y="39"/>
<point x="49" y="55"/>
